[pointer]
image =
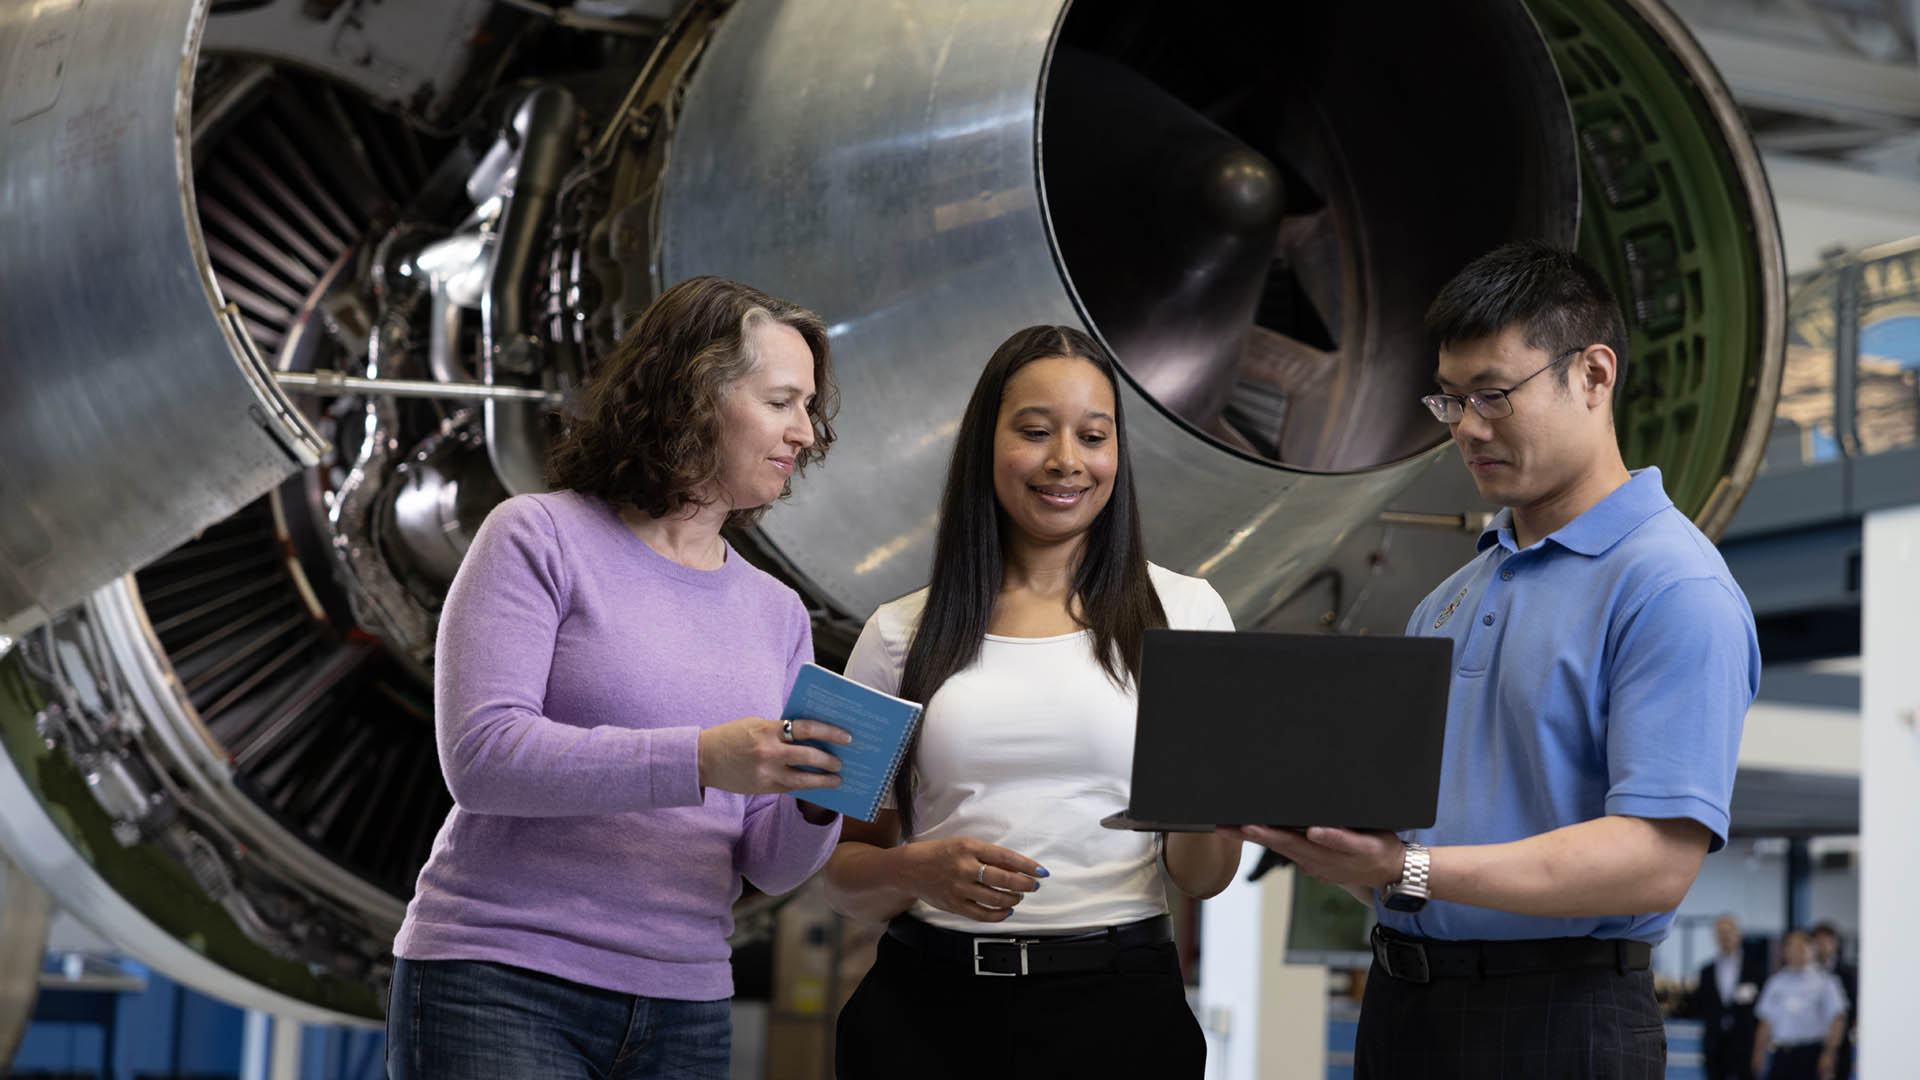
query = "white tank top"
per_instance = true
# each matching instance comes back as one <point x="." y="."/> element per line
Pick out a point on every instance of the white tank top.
<point x="1028" y="748"/>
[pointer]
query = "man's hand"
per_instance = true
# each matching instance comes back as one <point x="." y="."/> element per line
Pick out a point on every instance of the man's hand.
<point x="1364" y="860"/>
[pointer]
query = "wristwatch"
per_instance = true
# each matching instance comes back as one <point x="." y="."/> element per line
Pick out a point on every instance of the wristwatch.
<point x="1410" y="893"/>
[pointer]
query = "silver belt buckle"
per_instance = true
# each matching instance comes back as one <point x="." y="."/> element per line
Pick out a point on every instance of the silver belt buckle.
<point x="979" y="941"/>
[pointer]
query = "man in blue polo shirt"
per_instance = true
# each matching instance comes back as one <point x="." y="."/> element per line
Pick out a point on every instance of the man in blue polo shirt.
<point x="1604" y="661"/>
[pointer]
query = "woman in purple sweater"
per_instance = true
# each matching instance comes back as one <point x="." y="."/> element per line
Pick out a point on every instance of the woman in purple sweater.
<point x="607" y="688"/>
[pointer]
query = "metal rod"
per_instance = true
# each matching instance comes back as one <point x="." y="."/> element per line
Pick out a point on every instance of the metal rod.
<point x="669" y="38"/>
<point x="1470" y="521"/>
<point x="334" y="382"/>
<point x="228" y="102"/>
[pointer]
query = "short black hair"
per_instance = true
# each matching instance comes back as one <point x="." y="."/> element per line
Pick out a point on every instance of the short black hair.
<point x="1826" y="928"/>
<point x="1560" y="299"/>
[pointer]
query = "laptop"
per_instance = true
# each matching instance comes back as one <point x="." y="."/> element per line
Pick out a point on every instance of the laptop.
<point x="1290" y="730"/>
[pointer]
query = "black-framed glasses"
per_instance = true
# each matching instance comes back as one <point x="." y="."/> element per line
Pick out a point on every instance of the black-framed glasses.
<point x="1490" y="404"/>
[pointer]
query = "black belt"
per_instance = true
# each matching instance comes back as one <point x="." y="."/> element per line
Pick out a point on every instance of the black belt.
<point x="995" y="954"/>
<point x="1420" y="960"/>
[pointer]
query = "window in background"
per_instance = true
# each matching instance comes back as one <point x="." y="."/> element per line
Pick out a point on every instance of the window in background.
<point x="1887" y="391"/>
<point x="1803" y="423"/>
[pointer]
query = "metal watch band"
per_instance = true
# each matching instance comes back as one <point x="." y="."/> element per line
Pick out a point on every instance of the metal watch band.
<point x="1414" y="872"/>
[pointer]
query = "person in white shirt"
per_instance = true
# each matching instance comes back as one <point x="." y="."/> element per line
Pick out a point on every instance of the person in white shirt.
<point x="1803" y="1015"/>
<point x="1024" y="648"/>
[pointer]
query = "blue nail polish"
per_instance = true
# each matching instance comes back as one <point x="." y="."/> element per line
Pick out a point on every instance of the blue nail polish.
<point x="1041" y="871"/>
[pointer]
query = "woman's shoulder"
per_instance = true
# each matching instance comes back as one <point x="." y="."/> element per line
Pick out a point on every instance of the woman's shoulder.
<point x="1191" y="603"/>
<point x="1174" y="586"/>
<point x="896" y="620"/>
<point x="548" y="512"/>
<point x="524" y="522"/>
<point x="880" y="655"/>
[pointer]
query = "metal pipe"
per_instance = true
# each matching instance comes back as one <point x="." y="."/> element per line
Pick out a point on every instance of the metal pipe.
<point x="1467" y="521"/>
<point x="230" y="102"/>
<point x="543" y="125"/>
<point x="336" y="382"/>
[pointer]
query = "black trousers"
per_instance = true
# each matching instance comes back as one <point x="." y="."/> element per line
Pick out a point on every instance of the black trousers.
<point x="1582" y="1024"/>
<point x="1795" y="1062"/>
<point x="1728" y="1055"/>
<point x="911" y="1017"/>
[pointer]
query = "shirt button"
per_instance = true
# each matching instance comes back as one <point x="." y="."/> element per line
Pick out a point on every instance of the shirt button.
<point x="1506" y="575"/>
<point x="1486" y="620"/>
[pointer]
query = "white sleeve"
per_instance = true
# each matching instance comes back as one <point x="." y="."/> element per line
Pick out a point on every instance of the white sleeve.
<point x="1211" y="611"/>
<point x="1765" y="1008"/>
<point x="1192" y="603"/>
<point x="877" y="661"/>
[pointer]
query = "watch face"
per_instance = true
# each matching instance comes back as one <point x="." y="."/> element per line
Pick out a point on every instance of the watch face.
<point x="1400" y="901"/>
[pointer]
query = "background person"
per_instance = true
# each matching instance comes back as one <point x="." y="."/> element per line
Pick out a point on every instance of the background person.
<point x="1803" y="1015"/>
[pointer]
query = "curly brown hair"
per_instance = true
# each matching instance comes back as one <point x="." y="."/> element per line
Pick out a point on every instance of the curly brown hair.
<point x="647" y="431"/>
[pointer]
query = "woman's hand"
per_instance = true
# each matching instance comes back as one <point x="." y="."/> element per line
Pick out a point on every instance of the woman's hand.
<point x="969" y="877"/>
<point x="750" y="757"/>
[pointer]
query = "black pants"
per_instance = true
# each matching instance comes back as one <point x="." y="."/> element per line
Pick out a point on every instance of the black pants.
<point x="1728" y="1055"/>
<point x="1582" y="1024"/>
<point x="1795" y="1062"/>
<point x="911" y="1017"/>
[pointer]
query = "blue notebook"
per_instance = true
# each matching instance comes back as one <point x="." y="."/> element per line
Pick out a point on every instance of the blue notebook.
<point x="881" y="725"/>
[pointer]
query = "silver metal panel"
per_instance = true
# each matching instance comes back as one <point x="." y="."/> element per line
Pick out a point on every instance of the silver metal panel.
<point x="133" y="414"/>
<point x="917" y="234"/>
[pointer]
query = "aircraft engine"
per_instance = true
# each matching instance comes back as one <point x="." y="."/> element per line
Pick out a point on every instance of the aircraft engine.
<point x="296" y="290"/>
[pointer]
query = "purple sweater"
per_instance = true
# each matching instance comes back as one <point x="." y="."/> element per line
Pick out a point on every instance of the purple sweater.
<point x="576" y="668"/>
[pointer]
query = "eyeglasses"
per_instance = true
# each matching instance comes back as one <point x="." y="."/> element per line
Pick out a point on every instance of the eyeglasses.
<point x="1490" y="404"/>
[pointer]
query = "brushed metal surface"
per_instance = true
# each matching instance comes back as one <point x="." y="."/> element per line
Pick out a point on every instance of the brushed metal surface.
<point x="888" y="180"/>
<point x="134" y="412"/>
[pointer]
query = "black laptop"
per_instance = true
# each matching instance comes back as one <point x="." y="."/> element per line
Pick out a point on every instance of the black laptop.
<point x="1291" y="730"/>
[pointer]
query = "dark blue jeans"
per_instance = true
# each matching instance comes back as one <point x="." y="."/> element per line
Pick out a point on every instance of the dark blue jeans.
<point x="469" y="1020"/>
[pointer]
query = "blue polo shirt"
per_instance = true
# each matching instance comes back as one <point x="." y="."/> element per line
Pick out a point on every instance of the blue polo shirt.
<point x="1606" y="669"/>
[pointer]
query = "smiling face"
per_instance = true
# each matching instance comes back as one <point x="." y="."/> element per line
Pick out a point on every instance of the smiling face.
<point x="1055" y="452"/>
<point x="1559" y="426"/>
<point x="763" y="420"/>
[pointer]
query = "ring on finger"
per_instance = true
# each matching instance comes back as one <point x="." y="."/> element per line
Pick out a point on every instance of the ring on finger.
<point x="786" y="729"/>
<point x="981" y="876"/>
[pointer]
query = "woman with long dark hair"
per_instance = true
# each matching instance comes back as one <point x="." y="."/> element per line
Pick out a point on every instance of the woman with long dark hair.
<point x="607" y="694"/>
<point x="1024" y="648"/>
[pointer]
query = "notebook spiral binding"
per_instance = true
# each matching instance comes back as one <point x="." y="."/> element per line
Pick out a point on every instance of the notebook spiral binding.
<point x="899" y="757"/>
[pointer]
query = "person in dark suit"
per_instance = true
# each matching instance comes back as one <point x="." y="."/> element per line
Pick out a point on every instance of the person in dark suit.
<point x="1729" y="985"/>
<point x="1826" y="954"/>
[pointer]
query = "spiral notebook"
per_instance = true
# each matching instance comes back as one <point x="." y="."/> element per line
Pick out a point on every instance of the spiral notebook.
<point x="881" y="725"/>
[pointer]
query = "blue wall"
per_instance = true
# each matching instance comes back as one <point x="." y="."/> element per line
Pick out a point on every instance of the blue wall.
<point x="168" y="1030"/>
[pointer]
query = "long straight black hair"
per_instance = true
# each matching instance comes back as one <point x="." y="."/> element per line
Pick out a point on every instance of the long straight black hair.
<point x="1116" y="599"/>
